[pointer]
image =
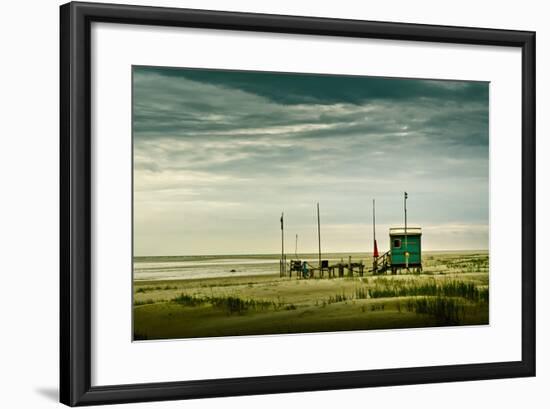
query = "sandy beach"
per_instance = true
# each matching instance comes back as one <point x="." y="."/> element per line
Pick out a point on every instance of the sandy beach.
<point x="206" y="296"/>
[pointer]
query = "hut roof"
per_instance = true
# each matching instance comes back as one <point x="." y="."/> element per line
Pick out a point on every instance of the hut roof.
<point x="400" y="231"/>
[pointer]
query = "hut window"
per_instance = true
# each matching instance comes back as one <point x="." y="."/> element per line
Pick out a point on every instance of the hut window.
<point x="397" y="243"/>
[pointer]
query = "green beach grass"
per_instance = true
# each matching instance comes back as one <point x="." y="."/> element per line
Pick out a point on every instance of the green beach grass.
<point x="452" y="290"/>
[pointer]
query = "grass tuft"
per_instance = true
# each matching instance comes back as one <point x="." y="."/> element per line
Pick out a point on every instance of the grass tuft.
<point x="155" y="288"/>
<point x="447" y="311"/>
<point x="232" y="304"/>
<point x="402" y="288"/>
<point x="137" y="303"/>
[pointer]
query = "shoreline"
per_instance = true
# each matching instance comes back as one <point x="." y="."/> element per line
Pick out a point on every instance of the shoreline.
<point x="257" y="267"/>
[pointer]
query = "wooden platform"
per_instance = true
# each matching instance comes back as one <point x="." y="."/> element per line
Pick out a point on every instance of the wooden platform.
<point x="330" y="271"/>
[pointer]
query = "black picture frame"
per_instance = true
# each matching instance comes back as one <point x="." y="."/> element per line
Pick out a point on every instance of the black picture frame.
<point x="76" y="199"/>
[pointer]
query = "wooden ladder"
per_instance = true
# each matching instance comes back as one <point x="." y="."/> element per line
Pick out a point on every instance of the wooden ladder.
<point x="383" y="263"/>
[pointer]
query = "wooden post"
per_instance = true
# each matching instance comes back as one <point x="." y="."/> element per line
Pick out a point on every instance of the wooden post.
<point x="350" y="269"/>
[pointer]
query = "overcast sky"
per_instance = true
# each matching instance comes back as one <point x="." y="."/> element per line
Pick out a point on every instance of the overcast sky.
<point x="218" y="155"/>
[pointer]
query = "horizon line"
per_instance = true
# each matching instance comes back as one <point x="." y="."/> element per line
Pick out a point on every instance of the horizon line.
<point x="291" y="253"/>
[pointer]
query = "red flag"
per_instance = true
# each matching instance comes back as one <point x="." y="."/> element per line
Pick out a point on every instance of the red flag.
<point x="375" y="254"/>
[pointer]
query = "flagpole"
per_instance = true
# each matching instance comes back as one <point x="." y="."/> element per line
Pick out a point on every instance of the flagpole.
<point x="374" y="220"/>
<point x="375" y="247"/>
<point x="319" y="235"/>
<point x="406" y="244"/>
<point x="282" y="269"/>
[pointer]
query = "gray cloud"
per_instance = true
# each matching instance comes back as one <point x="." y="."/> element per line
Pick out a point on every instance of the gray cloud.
<point x="218" y="155"/>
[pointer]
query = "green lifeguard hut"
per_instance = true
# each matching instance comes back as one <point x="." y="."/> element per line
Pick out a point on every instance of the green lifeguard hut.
<point x="406" y="248"/>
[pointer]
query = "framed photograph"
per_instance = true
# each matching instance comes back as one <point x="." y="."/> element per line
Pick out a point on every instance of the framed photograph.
<point x="259" y="204"/>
